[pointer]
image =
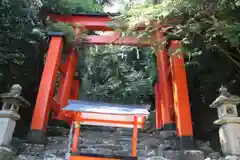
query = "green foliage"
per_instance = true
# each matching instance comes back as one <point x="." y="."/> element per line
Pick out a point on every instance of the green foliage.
<point x="118" y="74"/>
<point x="72" y="6"/>
<point x="212" y="24"/>
<point x="68" y="31"/>
<point x="17" y="44"/>
<point x="21" y="51"/>
<point x="62" y="27"/>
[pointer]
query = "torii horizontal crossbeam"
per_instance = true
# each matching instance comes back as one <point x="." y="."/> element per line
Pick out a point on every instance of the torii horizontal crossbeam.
<point x="92" y="22"/>
<point x="95" y="23"/>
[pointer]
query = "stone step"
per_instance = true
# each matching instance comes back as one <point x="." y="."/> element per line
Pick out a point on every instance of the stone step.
<point x="150" y="146"/>
<point x="160" y="135"/>
<point x="119" y="137"/>
<point x="147" y="155"/>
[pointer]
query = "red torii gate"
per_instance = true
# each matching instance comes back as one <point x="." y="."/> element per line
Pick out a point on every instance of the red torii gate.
<point x="171" y="92"/>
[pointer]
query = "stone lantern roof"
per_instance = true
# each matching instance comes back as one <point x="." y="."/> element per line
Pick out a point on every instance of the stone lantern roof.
<point x="13" y="97"/>
<point x="225" y="98"/>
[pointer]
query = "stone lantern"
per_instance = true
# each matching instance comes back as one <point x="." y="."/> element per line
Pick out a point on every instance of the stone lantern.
<point x="226" y="104"/>
<point x="12" y="101"/>
<point x="229" y="131"/>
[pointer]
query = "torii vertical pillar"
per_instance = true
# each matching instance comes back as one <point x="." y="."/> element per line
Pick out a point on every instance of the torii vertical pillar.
<point x="67" y="83"/>
<point x="42" y="107"/>
<point x="165" y="84"/>
<point x="158" y="117"/>
<point x="181" y="98"/>
<point x="75" y="87"/>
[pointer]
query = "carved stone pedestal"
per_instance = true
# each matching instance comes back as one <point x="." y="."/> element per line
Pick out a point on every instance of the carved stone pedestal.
<point x="7" y="125"/>
<point x="229" y="135"/>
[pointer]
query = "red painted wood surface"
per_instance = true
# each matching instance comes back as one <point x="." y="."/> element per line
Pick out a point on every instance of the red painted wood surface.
<point x="180" y="90"/>
<point x="65" y="94"/>
<point x="76" y="136"/>
<point x="135" y="137"/>
<point x="158" y="106"/>
<point x="165" y="83"/>
<point x="90" y="158"/>
<point x="46" y="89"/>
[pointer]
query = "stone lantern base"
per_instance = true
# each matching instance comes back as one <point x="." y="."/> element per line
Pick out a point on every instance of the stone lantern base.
<point x="7" y="126"/>
<point x="229" y="134"/>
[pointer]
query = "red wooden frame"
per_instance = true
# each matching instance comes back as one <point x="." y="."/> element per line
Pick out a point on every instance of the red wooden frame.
<point x="96" y="23"/>
<point x="158" y="106"/>
<point x="77" y="122"/>
<point x="99" y="22"/>
<point x="170" y="76"/>
<point x="45" y="93"/>
<point x="181" y="98"/>
<point x="165" y="84"/>
<point x="93" y="22"/>
<point x="65" y="93"/>
<point x="90" y="158"/>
